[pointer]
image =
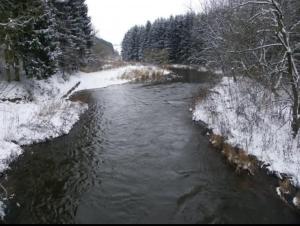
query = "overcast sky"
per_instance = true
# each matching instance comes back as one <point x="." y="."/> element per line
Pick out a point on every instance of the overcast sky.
<point x="112" y="18"/>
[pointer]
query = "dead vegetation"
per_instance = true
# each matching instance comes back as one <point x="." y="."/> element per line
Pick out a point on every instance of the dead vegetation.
<point x="149" y="74"/>
<point x="235" y="156"/>
<point x="242" y="162"/>
<point x="100" y="65"/>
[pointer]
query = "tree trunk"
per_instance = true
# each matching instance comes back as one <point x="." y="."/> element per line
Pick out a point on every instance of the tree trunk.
<point x="295" y="91"/>
<point x="7" y="66"/>
<point x="8" y="73"/>
<point x="17" y="69"/>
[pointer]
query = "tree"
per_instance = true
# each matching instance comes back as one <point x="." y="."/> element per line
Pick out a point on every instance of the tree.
<point x="131" y="44"/>
<point x="258" y="39"/>
<point x="81" y="31"/>
<point x="74" y="33"/>
<point x="44" y="36"/>
<point x="172" y="36"/>
<point x="38" y="45"/>
<point x="12" y="25"/>
<point x="275" y="47"/>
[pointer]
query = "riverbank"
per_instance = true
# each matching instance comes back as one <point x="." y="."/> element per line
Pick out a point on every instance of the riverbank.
<point x="36" y="111"/>
<point x="255" y="121"/>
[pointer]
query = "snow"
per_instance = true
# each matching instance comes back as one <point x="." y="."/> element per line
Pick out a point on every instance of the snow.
<point x="2" y="210"/>
<point x="48" y="115"/>
<point x="256" y="120"/>
<point x="13" y="90"/>
<point x="189" y="67"/>
<point x="5" y="156"/>
<point x="35" y="122"/>
<point x="102" y="79"/>
<point x="58" y="86"/>
<point x="181" y="66"/>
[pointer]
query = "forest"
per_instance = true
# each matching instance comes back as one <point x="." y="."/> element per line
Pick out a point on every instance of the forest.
<point x="39" y="38"/>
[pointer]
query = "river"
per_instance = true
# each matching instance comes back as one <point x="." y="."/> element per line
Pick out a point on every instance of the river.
<point x="136" y="156"/>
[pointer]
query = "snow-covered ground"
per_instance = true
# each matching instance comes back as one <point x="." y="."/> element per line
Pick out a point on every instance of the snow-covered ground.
<point x="254" y="119"/>
<point x="42" y="112"/>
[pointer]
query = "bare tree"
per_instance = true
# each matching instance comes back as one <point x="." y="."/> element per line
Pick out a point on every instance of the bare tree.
<point x="259" y="39"/>
<point x="279" y="25"/>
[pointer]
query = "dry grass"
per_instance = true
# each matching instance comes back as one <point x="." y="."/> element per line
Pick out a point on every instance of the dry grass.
<point x="243" y="162"/>
<point x="144" y="75"/>
<point x="286" y="187"/>
<point x="235" y="156"/>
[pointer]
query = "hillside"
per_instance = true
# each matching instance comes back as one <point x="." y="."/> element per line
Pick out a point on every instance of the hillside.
<point x="103" y="49"/>
<point x="103" y="53"/>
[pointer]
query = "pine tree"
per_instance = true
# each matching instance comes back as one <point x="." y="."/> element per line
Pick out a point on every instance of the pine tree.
<point x="131" y="44"/>
<point x="81" y="31"/>
<point x="43" y="36"/>
<point x="175" y="39"/>
<point x="12" y="25"/>
<point x="145" y="41"/>
<point x="74" y="33"/>
<point x="38" y="45"/>
<point x="185" y="44"/>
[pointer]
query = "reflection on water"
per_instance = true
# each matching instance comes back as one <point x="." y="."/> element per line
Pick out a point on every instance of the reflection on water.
<point x="136" y="157"/>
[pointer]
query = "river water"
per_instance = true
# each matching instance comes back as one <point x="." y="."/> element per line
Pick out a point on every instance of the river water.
<point x="136" y="156"/>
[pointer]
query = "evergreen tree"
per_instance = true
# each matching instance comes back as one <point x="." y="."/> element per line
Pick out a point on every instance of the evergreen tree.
<point x="12" y="25"/>
<point x="38" y="45"/>
<point x="171" y="38"/>
<point x="81" y="31"/>
<point x="185" y="44"/>
<point x="145" y="41"/>
<point x="131" y="44"/>
<point x="73" y="32"/>
<point x="43" y="36"/>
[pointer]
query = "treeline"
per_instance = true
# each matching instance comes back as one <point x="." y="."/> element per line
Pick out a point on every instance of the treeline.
<point x="40" y="37"/>
<point x="170" y="40"/>
<point x="259" y="39"/>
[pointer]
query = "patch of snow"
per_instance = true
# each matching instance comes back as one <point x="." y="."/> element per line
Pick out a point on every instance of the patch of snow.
<point x="181" y="66"/>
<point x="218" y="72"/>
<point x="202" y="69"/>
<point x="189" y="67"/>
<point x="36" y="122"/>
<point x="101" y="79"/>
<point x="296" y="202"/>
<point x="2" y="210"/>
<point x="12" y="91"/>
<point x="8" y="151"/>
<point x="256" y="120"/>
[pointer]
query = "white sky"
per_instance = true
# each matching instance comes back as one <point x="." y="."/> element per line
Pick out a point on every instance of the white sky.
<point x="112" y="18"/>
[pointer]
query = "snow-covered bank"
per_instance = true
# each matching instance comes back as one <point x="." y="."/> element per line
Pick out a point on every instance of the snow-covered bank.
<point x="39" y="111"/>
<point x="254" y="119"/>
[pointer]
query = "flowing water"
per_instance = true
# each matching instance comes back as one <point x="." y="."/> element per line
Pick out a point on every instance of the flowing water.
<point x="136" y="156"/>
